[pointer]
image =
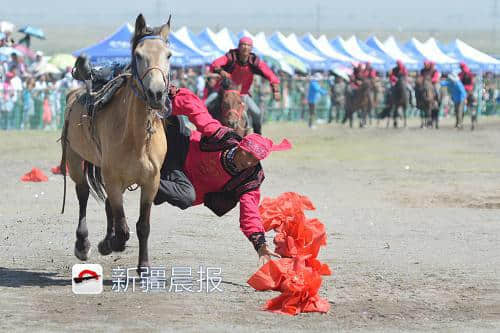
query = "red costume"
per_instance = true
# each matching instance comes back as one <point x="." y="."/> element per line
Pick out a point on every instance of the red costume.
<point x="243" y="73"/>
<point x="369" y="72"/>
<point x="396" y="72"/>
<point x="430" y="71"/>
<point x="204" y="168"/>
<point x="466" y="77"/>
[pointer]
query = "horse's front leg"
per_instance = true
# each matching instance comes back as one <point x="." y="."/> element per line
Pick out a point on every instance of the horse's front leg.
<point x="115" y="197"/>
<point x="148" y="193"/>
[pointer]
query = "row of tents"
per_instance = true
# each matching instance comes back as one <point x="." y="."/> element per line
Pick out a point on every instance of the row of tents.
<point x="291" y="53"/>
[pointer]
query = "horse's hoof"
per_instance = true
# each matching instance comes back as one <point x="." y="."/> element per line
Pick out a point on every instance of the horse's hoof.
<point x="143" y="268"/>
<point x="118" y="245"/>
<point x="82" y="251"/>
<point x="105" y="247"/>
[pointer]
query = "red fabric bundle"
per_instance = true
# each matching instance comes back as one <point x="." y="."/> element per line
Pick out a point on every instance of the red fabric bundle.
<point x="298" y="239"/>
<point x="35" y="175"/>
<point x="57" y="170"/>
<point x="298" y="283"/>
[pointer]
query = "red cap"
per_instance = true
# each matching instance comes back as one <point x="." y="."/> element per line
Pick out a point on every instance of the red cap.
<point x="261" y="147"/>
<point x="399" y="63"/>
<point x="10" y="75"/>
<point x="246" y="40"/>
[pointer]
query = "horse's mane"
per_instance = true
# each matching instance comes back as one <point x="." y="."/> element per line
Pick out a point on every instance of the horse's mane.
<point x="228" y="84"/>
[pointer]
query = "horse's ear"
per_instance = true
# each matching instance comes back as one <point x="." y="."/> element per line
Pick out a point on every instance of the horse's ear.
<point x="140" y="24"/>
<point x="165" y="29"/>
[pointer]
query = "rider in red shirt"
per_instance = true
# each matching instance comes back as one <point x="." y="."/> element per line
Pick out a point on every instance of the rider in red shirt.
<point x="430" y="70"/>
<point x="240" y="65"/>
<point x="369" y="72"/>
<point x="467" y="79"/>
<point x="398" y="71"/>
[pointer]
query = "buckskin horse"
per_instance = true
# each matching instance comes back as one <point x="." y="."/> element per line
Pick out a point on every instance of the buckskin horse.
<point x="121" y="144"/>
<point x="230" y="109"/>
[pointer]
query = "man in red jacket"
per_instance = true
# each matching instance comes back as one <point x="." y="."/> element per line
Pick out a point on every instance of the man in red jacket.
<point x="467" y="79"/>
<point x="214" y="166"/>
<point x="397" y="72"/>
<point x="369" y="72"/>
<point x="240" y="65"/>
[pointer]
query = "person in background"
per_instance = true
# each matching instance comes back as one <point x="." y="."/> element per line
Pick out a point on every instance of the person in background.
<point x="467" y="79"/>
<point x="458" y="95"/>
<point x="17" y="65"/>
<point x="240" y="65"/>
<point x="314" y="94"/>
<point x="28" y="103"/>
<point x="39" y="61"/>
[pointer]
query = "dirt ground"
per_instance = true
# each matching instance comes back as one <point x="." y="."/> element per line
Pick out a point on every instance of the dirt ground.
<point x="413" y="238"/>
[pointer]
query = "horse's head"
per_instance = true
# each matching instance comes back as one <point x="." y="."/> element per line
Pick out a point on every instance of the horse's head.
<point x="232" y="107"/>
<point x="150" y="61"/>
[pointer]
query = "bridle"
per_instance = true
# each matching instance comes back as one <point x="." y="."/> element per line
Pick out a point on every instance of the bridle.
<point x="239" y="111"/>
<point x="166" y="108"/>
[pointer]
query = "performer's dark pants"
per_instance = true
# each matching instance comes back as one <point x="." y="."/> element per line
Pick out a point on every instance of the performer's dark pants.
<point x="175" y="187"/>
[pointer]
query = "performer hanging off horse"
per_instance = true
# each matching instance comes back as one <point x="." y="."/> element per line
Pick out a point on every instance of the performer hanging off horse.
<point x="212" y="165"/>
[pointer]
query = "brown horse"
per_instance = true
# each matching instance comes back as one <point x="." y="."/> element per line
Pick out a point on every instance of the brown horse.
<point x="122" y="144"/>
<point x="230" y="109"/>
<point x="426" y="102"/>
<point x="359" y="100"/>
<point x="399" y="99"/>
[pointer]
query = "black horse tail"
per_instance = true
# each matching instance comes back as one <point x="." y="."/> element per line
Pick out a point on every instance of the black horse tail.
<point x="94" y="180"/>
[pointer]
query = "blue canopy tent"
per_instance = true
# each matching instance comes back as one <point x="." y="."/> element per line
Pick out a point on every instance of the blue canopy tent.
<point x="430" y="51"/>
<point x="208" y="37"/>
<point x="393" y="52"/>
<point x="115" y="48"/>
<point x="192" y="41"/>
<point x="319" y="47"/>
<point x="475" y="59"/>
<point x="353" y="50"/>
<point x="388" y="61"/>
<point x="280" y="43"/>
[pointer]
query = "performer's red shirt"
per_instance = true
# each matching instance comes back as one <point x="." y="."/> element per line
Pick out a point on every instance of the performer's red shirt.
<point x="204" y="169"/>
<point x="243" y="74"/>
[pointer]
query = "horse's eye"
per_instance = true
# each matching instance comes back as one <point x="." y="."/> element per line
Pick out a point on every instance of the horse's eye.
<point x="169" y="54"/>
<point x="138" y="56"/>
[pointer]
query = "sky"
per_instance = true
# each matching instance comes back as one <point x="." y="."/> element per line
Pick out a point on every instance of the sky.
<point x="71" y="25"/>
<point x="287" y="15"/>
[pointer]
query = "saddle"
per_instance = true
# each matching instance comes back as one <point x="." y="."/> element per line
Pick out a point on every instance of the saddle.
<point x="98" y="96"/>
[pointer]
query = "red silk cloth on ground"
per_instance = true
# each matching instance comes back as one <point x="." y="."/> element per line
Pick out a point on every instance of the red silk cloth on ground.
<point x="57" y="170"/>
<point x="298" y="239"/>
<point x="35" y="175"/>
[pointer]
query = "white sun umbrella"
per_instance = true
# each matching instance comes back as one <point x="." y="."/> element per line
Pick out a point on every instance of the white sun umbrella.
<point x="6" y="27"/>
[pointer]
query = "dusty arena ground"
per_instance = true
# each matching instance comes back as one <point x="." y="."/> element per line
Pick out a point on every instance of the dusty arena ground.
<point x="413" y="229"/>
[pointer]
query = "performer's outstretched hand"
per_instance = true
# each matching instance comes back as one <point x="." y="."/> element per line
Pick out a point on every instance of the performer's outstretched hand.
<point x="265" y="254"/>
